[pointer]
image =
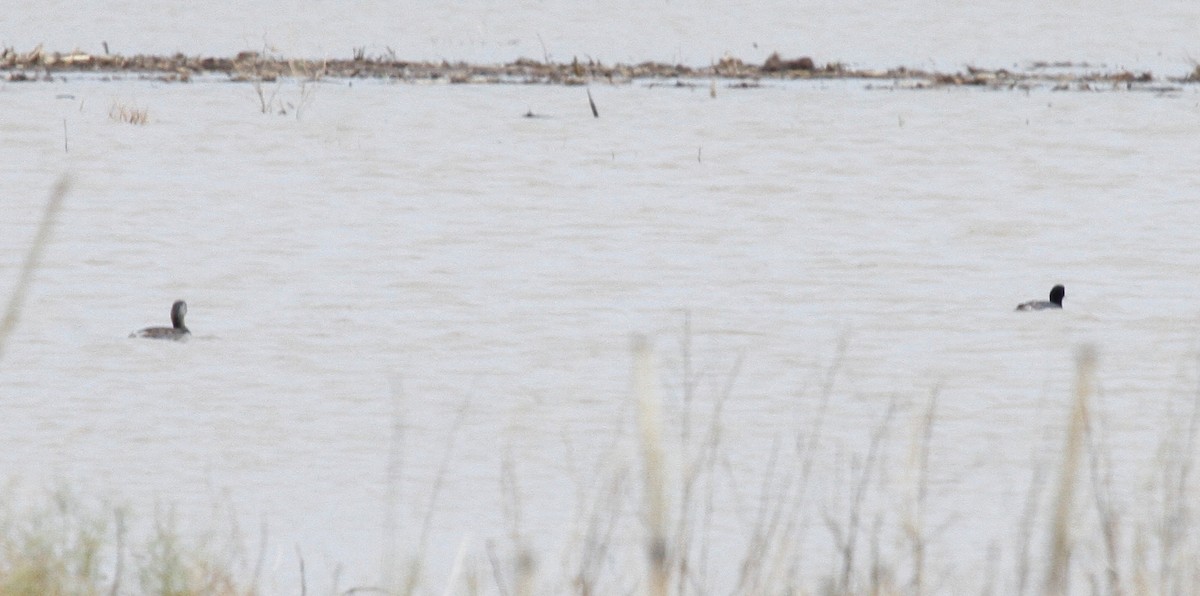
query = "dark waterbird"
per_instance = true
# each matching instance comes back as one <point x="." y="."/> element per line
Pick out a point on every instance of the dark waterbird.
<point x="1056" y="298"/>
<point x="177" y="331"/>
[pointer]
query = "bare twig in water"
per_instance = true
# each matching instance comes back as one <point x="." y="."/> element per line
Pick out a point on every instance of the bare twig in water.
<point x="266" y="104"/>
<point x="310" y="76"/>
<point x="32" y="259"/>
<point x="595" y="112"/>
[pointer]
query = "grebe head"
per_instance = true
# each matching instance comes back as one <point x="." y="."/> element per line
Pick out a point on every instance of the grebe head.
<point x="179" y="310"/>
<point x="1056" y="294"/>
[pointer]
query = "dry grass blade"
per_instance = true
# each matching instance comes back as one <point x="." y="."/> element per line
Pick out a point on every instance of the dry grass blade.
<point x="919" y="465"/>
<point x="650" y="426"/>
<point x="32" y="259"/>
<point x="1101" y="473"/>
<point x="391" y="499"/>
<point x="848" y="546"/>
<point x="1060" y="539"/>
<point x="1025" y="528"/>
<point x="414" y="579"/>
<point x="120" y="538"/>
<point x="303" y="576"/>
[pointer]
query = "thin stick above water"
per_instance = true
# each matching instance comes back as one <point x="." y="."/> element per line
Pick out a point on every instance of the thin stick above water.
<point x="595" y="112"/>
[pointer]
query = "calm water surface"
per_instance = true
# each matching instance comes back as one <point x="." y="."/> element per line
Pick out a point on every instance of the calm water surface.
<point x="422" y="257"/>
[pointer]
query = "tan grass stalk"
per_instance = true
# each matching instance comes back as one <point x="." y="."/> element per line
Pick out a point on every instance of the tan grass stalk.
<point x="526" y="568"/>
<point x="1060" y="531"/>
<point x="394" y="475"/>
<point x="524" y="563"/>
<point x="650" y="425"/>
<point x="700" y="467"/>
<point x="457" y="569"/>
<point x="1029" y="514"/>
<point x="849" y="544"/>
<point x="807" y="446"/>
<point x="598" y="536"/>
<point x="767" y="525"/>
<point x="1175" y="561"/>
<point x="919" y="466"/>
<point x="416" y="570"/>
<point x="33" y="258"/>
<point x="303" y="575"/>
<point x="118" y="572"/>
<point x="497" y="570"/>
<point x="1100" y="473"/>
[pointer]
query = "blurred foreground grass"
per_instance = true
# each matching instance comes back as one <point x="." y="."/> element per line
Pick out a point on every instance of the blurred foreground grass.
<point x="647" y="527"/>
<point x="64" y="546"/>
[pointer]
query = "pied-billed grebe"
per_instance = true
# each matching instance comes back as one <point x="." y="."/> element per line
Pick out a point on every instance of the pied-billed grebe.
<point x="1056" y="296"/>
<point x="177" y="331"/>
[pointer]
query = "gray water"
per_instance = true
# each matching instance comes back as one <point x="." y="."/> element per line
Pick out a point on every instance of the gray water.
<point x="423" y="258"/>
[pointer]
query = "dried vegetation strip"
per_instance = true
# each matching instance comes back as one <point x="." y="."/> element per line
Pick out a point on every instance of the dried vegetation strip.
<point x="39" y="64"/>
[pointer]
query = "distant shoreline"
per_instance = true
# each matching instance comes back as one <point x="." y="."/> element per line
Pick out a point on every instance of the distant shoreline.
<point x="41" y="65"/>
